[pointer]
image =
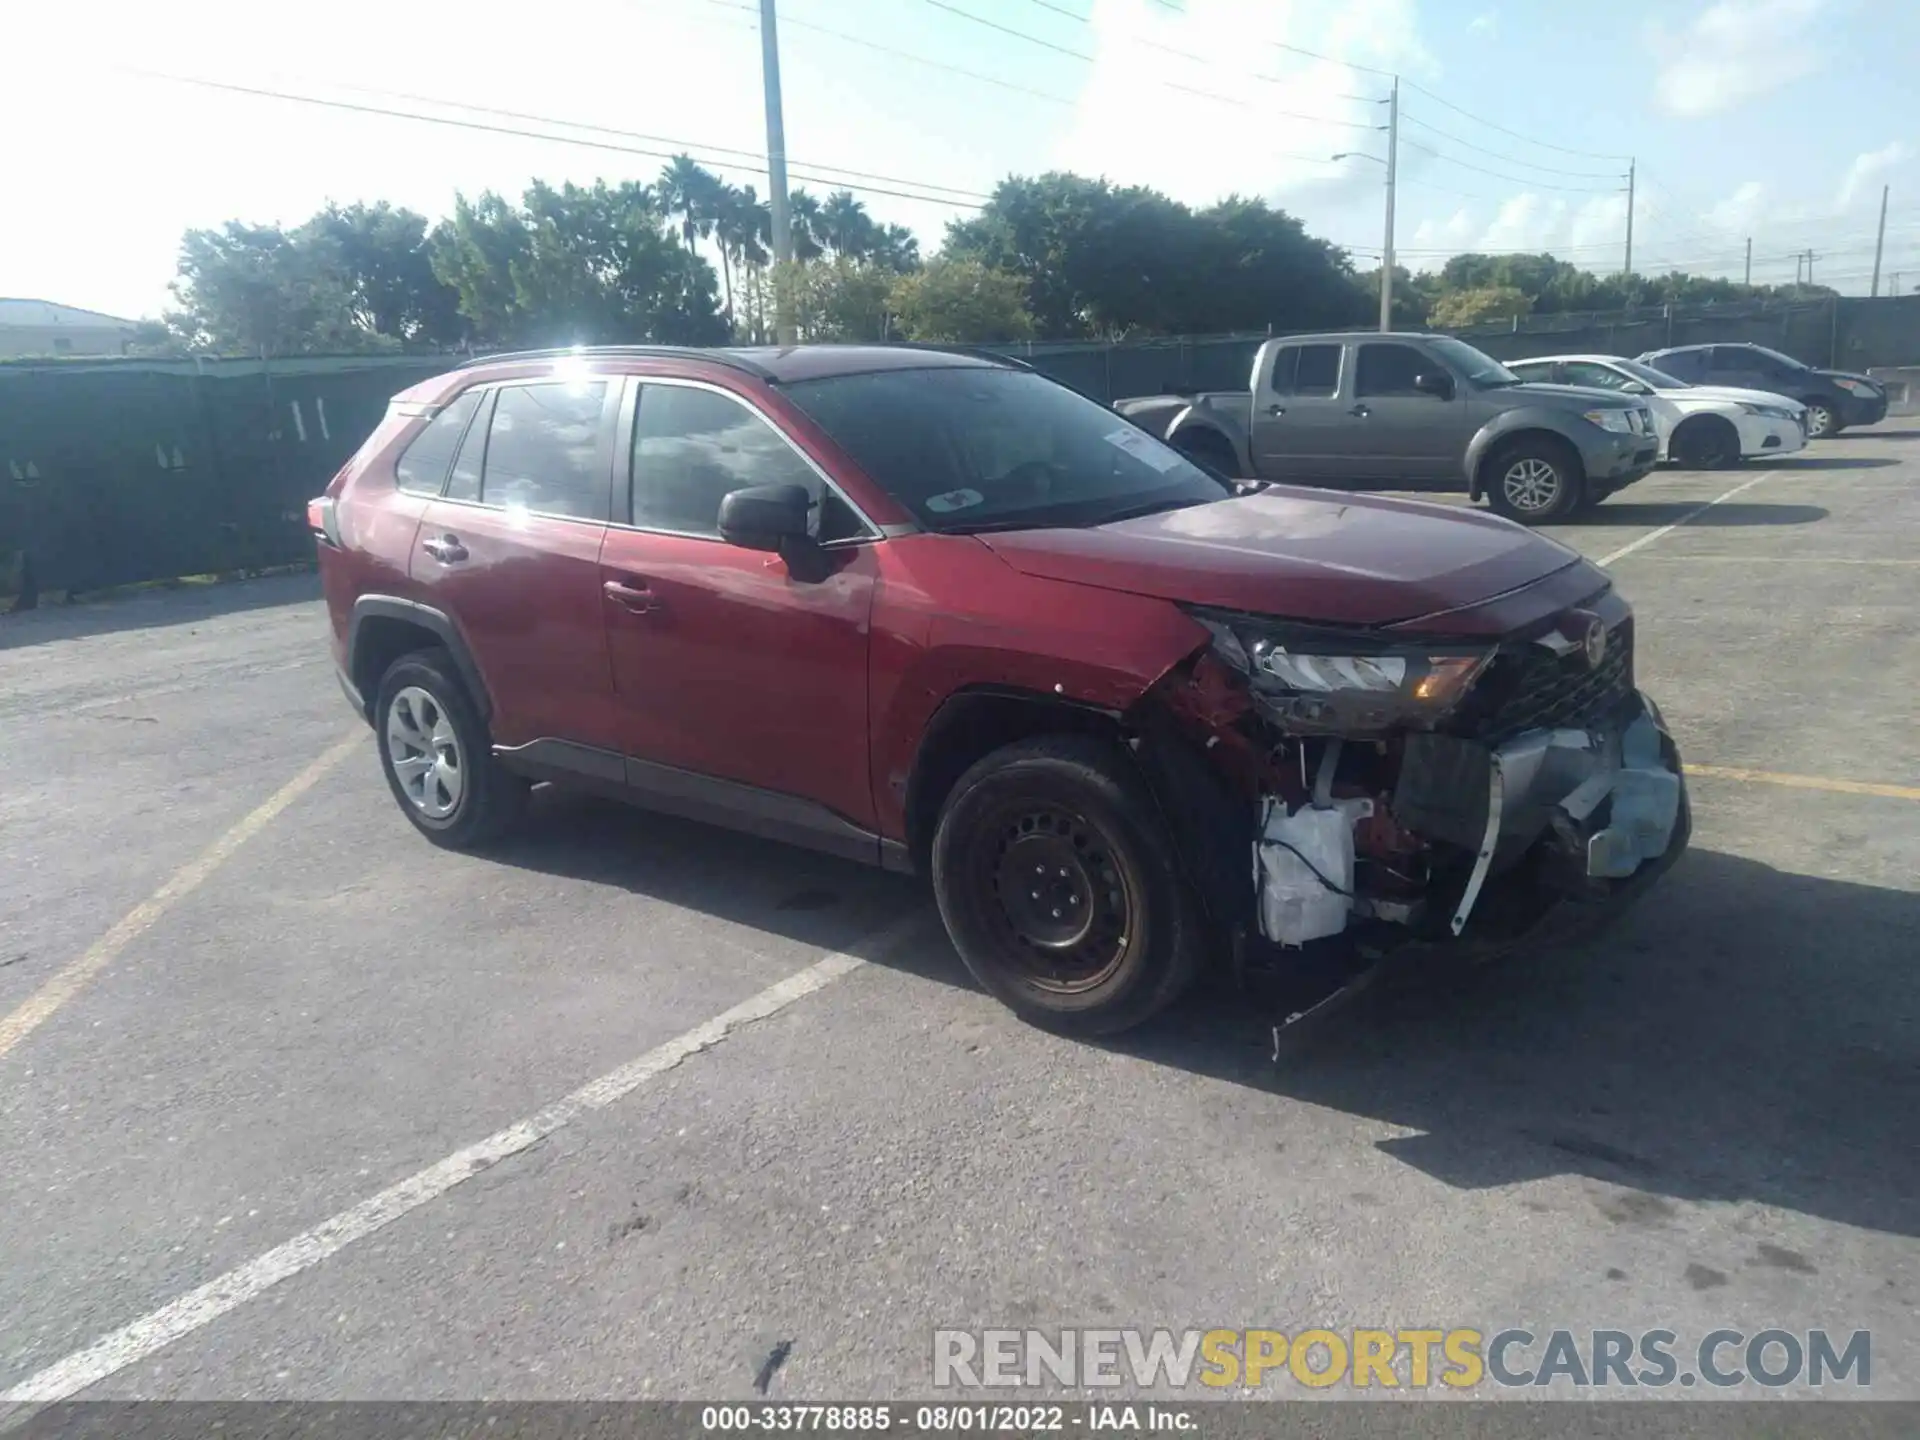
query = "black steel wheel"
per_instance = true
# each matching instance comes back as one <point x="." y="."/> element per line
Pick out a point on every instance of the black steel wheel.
<point x="1059" y="888"/>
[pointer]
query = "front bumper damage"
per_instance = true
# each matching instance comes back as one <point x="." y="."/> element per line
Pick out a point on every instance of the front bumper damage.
<point x="1556" y="818"/>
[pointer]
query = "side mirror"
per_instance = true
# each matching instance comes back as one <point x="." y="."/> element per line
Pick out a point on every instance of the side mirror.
<point x="766" y="517"/>
<point x="1437" y="383"/>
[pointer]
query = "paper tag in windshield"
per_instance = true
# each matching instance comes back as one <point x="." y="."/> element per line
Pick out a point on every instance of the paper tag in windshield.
<point x="954" y="500"/>
<point x="1142" y="446"/>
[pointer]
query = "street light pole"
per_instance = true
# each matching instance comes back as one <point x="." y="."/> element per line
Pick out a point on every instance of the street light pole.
<point x="1393" y="157"/>
<point x="784" y="329"/>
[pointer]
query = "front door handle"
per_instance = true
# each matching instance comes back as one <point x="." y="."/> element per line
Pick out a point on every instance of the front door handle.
<point x="447" y="549"/>
<point x="1360" y="410"/>
<point x="1276" y="409"/>
<point x="636" y="598"/>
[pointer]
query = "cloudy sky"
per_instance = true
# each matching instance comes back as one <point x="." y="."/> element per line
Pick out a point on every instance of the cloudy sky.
<point x="1778" y="120"/>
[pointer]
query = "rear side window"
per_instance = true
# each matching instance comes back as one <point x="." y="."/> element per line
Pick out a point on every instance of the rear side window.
<point x="1388" y="370"/>
<point x="1535" y="370"/>
<point x="543" y="450"/>
<point x="1681" y="364"/>
<point x="423" y="466"/>
<point x="1317" y="371"/>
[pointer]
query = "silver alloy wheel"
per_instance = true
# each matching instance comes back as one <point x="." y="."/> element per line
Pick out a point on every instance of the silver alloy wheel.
<point x="1530" y="484"/>
<point x="1819" y="421"/>
<point x="425" y="753"/>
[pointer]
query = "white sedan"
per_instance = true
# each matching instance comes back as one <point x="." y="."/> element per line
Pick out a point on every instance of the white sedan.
<point x="1700" y="426"/>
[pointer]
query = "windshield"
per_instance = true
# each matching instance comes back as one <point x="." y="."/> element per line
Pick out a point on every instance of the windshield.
<point x="1477" y="366"/>
<point x="971" y="448"/>
<point x="1647" y="375"/>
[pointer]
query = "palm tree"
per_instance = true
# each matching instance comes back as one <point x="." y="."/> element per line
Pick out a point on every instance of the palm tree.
<point x="743" y="230"/>
<point x="897" y="248"/>
<point x="804" y="218"/>
<point x="845" y="228"/>
<point x="689" y="190"/>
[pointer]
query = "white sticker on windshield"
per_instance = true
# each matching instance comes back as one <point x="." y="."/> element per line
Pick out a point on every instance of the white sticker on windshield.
<point x="954" y="500"/>
<point x="1142" y="446"/>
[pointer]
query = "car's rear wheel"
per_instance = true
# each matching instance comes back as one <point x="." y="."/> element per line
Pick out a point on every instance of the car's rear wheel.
<point x="1203" y="447"/>
<point x="438" y="757"/>
<point x="1822" y="422"/>
<point x="1060" y="889"/>
<point x="1534" y="481"/>
<point x="1705" y="442"/>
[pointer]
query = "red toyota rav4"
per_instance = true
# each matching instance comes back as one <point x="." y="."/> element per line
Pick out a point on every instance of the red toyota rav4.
<point x="933" y="611"/>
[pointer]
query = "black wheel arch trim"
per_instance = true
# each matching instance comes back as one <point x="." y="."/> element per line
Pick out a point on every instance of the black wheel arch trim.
<point x="438" y="623"/>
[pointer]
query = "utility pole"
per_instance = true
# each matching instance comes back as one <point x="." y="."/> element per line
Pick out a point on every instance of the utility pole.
<point x="1809" y="267"/>
<point x="1879" y="241"/>
<point x="1632" y="166"/>
<point x="1393" y="158"/>
<point x="1748" y="280"/>
<point x="783" y="325"/>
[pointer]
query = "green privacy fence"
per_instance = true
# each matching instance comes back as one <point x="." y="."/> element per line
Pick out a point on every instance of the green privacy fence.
<point x="121" y="471"/>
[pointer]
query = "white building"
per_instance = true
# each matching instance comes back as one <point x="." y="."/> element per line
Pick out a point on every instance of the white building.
<point x="40" y="327"/>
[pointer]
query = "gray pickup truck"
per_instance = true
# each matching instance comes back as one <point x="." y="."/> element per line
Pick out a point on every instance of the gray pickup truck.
<point x="1411" y="412"/>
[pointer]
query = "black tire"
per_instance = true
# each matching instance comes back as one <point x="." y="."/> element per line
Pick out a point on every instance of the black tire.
<point x="1823" y="420"/>
<point x="1209" y="450"/>
<point x="1075" y="805"/>
<point x="491" y="799"/>
<point x="1705" y="442"/>
<point x="1503" y="484"/>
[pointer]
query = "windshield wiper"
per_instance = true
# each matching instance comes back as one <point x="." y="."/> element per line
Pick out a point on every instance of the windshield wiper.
<point x="1154" y="507"/>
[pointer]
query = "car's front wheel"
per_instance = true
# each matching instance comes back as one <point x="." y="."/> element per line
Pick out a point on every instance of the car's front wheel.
<point x="1060" y="889"/>
<point x="1534" y="481"/>
<point x="438" y="756"/>
<point x="1705" y="442"/>
<point x="1822" y="422"/>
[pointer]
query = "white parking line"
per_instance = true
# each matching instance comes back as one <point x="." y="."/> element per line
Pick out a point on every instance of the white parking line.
<point x="68" y="981"/>
<point x="134" y="1342"/>
<point x="1697" y="511"/>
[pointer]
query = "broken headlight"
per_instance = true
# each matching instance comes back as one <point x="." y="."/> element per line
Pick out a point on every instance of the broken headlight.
<point x="1312" y="680"/>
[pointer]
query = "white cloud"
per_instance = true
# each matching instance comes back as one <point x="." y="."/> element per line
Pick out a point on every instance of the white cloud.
<point x="1733" y="51"/>
<point x="1738" y="211"/>
<point x="1260" y="137"/>
<point x="1487" y="24"/>
<point x="1866" y="167"/>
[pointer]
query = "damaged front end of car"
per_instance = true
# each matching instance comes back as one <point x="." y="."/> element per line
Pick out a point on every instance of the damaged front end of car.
<point x="1344" y="796"/>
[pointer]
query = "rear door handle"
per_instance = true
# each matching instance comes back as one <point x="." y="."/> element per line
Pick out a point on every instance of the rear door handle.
<point x="1360" y="410"/>
<point x="447" y="549"/>
<point x="636" y="598"/>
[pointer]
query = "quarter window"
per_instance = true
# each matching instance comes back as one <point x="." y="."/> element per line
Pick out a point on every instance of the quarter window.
<point x="543" y="450"/>
<point x="693" y="448"/>
<point x="423" y="465"/>
<point x="1604" y="377"/>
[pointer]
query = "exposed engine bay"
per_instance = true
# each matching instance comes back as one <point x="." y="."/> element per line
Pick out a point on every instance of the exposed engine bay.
<point x="1366" y="791"/>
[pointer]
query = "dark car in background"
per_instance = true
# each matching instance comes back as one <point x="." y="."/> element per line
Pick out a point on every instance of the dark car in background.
<point x="1835" y="399"/>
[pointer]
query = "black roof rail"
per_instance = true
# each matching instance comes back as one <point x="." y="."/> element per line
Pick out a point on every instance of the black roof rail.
<point x="978" y="352"/>
<point x="596" y="352"/>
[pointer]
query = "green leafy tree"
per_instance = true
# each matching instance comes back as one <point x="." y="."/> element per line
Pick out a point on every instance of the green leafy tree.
<point x="382" y="257"/>
<point x="256" y="290"/>
<point x="690" y="192"/>
<point x="840" y="299"/>
<point x="962" y="301"/>
<point x="805" y="224"/>
<point x="1457" y="309"/>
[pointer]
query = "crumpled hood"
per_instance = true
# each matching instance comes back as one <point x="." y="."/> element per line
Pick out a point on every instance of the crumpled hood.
<point x="1584" y="397"/>
<point x="1300" y="554"/>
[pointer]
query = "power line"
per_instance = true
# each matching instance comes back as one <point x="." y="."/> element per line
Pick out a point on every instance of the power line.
<point x="755" y="155"/>
<point x="1500" y="175"/>
<point x="1159" y="80"/>
<point x="1501" y="155"/>
<point x="1482" y="120"/>
<point x="481" y="126"/>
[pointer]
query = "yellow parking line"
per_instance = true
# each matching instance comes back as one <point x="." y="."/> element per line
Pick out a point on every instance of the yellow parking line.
<point x="67" y="982"/>
<point x="1807" y="782"/>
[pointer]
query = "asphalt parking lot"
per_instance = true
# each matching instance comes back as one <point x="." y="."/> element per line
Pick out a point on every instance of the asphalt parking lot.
<point x="294" y="1106"/>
